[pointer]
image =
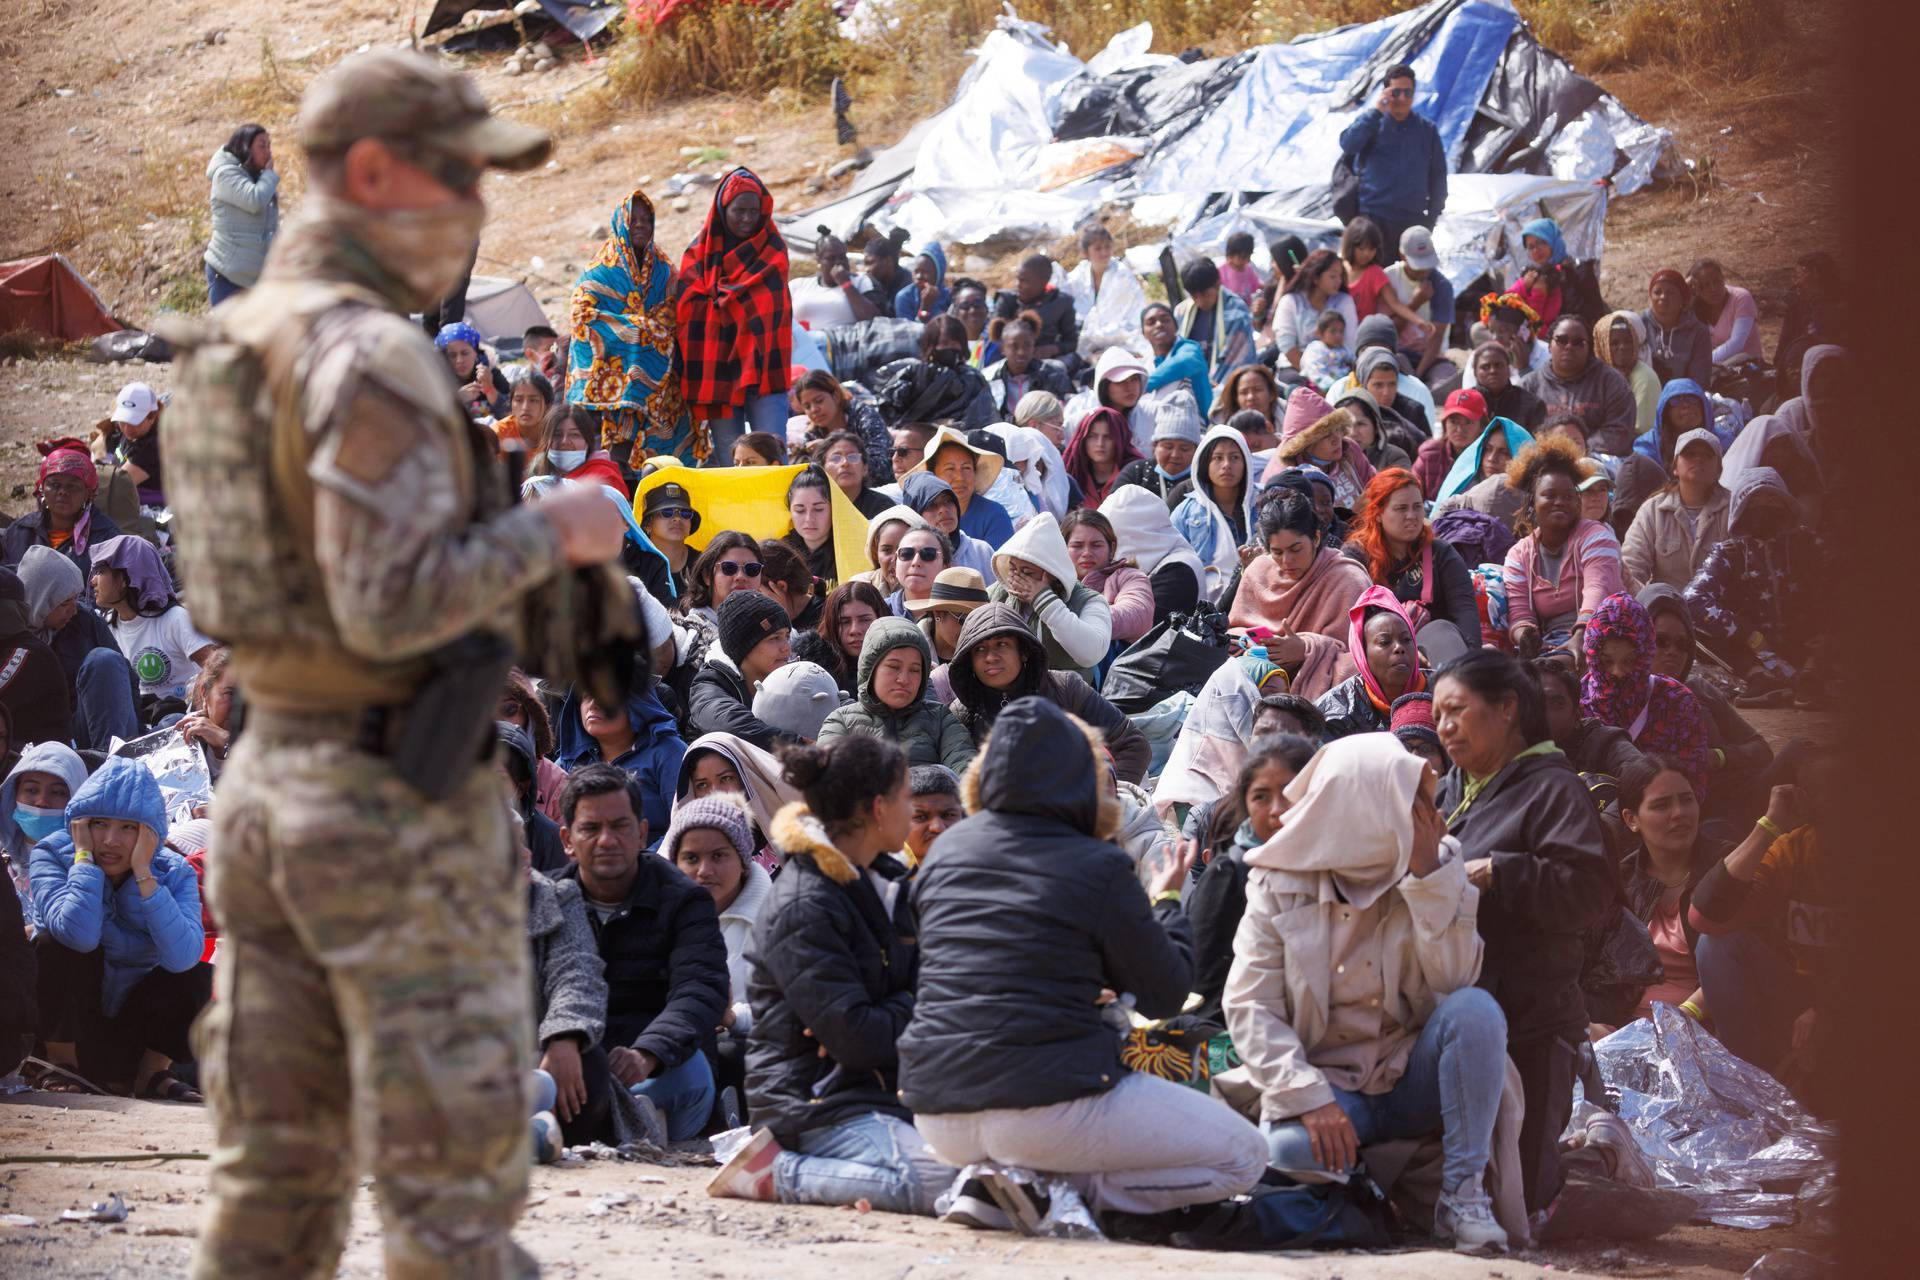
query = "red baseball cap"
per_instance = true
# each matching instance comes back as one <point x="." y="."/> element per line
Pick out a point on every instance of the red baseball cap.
<point x="1466" y="401"/>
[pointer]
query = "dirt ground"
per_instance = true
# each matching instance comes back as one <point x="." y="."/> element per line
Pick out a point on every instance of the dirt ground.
<point x="670" y="1221"/>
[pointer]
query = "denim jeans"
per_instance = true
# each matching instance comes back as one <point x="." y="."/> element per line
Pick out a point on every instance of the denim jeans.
<point x="1452" y="1083"/>
<point x="106" y="701"/>
<point x="1753" y="995"/>
<point x="683" y="1095"/>
<point x="766" y="413"/>
<point x="219" y="288"/>
<point x="881" y="1159"/>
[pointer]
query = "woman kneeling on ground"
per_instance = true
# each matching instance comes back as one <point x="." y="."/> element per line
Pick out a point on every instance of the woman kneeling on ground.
<point x="1030" y="917"/>
<point x="832" y="988"/>
<point x="1352" y="998"/>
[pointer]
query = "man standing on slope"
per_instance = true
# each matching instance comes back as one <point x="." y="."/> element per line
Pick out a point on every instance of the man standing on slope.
<point x="1401" y="162"/>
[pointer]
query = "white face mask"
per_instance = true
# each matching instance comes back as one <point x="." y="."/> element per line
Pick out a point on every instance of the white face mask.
<point x="566" y="460"/>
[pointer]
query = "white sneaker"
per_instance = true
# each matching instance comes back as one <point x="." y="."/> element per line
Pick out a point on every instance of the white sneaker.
<point x="973" y="1206"/>
<point x="547" y="1142"/>
<point x="749" y="1175"/>
<point x="1465" y="1216"/>
<point x="1630" y="1164"/>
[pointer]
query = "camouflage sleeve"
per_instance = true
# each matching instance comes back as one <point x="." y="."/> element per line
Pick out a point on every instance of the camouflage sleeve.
<point x="405" y="568"/>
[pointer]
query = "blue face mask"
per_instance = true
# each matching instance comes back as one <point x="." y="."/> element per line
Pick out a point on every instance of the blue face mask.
<point x="38" y="823"/>
<point x="567" y="460"/>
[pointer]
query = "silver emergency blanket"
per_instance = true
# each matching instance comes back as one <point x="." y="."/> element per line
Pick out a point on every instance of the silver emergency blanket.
<point x="1715" y="1127"/>
<point x="1036" y="140"/>
<point x="177" y="764"/>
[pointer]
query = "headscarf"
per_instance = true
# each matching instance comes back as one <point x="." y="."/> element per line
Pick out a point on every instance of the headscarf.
<point x="1378" y="598"/>
<point x="1759" y="438"/>
<point x="458" y="331"/>
<point x="67" y="457"/>
<point x="623" y="321"/>
<point x="1603" y="335"/>
<point x="146" y="574"/>
<point x="1351" y="817"/>
<point x="1465" y="472"/>
<point x="1674" y="725"/>
<point x="735" y="315"/>
<point x="1548" y="230"/>
<point x="1081" y="469"/>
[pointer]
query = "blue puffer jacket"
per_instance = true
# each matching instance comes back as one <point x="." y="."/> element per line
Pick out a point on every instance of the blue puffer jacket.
<point x="83" y="910"/>
<point x="654" y="757"/>
<point x="245" y="216"/>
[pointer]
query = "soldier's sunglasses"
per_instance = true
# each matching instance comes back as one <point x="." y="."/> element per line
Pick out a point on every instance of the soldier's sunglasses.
<point x="458" y="174"/>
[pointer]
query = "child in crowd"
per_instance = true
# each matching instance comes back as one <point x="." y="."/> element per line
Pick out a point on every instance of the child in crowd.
<point x="131" y="585"/>
<point x="1237" y="273"/>
<point x="1327" y="359"/>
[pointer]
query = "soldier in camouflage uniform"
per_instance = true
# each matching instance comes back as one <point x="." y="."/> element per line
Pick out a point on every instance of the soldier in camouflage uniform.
<point x="339" y="523"/>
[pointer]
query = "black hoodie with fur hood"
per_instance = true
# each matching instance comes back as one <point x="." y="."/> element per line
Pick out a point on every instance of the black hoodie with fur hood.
<point x="1027" y="910"/>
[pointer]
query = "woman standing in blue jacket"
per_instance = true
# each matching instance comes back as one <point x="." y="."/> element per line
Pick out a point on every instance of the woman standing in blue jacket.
<point x="119" y="938"/>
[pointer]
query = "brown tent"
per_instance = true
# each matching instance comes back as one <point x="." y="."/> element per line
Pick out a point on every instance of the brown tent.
<point x="47" y="296"/>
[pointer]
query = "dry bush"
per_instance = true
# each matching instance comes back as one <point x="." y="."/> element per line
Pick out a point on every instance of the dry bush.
<point x="726" y="47"/>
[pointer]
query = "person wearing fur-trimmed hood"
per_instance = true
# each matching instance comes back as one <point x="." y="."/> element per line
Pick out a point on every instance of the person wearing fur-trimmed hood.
<point x="832" y="986"/>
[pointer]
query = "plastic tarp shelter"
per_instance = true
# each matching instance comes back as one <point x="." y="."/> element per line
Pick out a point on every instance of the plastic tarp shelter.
<point x="1035" y="140"/>
<point x="45" y="295"/>
<point x="502" y="310"/>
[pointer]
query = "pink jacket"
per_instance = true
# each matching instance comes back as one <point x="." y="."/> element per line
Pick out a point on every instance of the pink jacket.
<point x="1589" y="574"/>
<point x="1129" y="599"/>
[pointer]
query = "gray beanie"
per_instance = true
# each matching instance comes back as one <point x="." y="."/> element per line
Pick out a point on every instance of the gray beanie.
<point x="797" y="698"/>
<point x="1177" y="417"/>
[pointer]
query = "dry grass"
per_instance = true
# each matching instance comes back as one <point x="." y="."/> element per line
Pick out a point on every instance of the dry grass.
<point x="915" y="62"/>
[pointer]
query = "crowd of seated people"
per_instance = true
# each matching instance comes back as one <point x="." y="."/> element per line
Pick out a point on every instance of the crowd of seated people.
<point x="873" y="861"/>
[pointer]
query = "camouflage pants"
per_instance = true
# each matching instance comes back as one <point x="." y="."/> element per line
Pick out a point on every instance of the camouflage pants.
<point x="372" y="1007"/>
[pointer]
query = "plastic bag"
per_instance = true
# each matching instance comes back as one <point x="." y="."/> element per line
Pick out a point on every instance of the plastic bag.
<point x="1716" y="1127"/>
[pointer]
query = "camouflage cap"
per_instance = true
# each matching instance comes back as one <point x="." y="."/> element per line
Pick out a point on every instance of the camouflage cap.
<point x="404" y="96"/>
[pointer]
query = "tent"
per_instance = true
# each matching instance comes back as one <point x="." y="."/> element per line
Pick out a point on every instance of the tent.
<point x="502" y="310"/>
<point x="1035" y="140"/>
<point x="47" y="296"/>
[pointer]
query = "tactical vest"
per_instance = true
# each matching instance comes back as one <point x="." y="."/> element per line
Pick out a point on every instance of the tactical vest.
<point x="236" y="452"/>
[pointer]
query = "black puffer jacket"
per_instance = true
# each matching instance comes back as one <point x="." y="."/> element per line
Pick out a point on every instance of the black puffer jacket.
<point x="977" y="706"/>
<point x="1026" y="911"/>
<point x="667" y="982"/>
<point x="1348" y="709"/>
<point x="718" y="701"/>
<point x="1551" y="883"/>
<point x="828" y="958"/>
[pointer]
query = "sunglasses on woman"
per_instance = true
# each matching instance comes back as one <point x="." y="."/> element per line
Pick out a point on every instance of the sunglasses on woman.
<point x="672" y="513"/>
<point x="929" y="554"/>
<point x="733" y="568"/>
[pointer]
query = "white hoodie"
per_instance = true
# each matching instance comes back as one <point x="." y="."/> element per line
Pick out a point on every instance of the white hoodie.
<point x="1084" y="636"/>
<point x="1205" y="526"/>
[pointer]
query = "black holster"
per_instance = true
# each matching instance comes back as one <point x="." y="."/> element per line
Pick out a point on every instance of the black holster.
<point x="449" y="725"/>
